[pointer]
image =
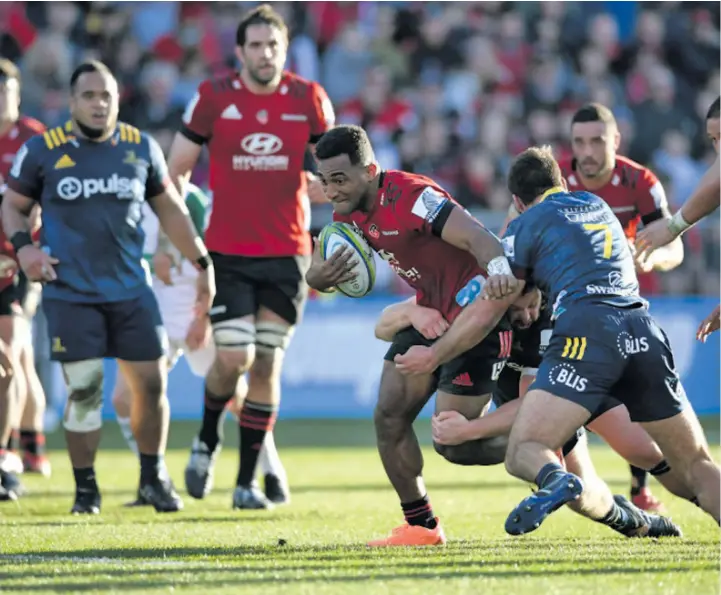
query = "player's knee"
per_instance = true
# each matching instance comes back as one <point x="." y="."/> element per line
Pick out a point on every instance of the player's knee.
<point x="266" y="366"/>
<point x="389" y="422"/>
<point x="235" y="342"/>
<point x="490" y="451"/>
<point x="83" y="412"/>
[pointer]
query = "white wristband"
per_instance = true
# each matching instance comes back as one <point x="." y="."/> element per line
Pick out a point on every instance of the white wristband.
<point x="677" y="224"/>
<point x="499" y="266"/>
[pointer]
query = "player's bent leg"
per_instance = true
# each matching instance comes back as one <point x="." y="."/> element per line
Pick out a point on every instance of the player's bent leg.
<point x="486" y="451"/>
<point x="400" y="400"/>
<point x="683" y="443"/>
<point x="82" y="422"/>
<point x="235" y="351"/>
<point x="259" y="410"/>
<point x="543" y="425"/>
<point x="598" y="504"/>
<point x="633" y="443"/>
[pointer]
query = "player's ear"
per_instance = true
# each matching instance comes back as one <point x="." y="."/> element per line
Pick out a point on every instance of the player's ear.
<point x="518" y="203"/>
<point x="372" y="170"/>
<point x="564" y="183"/>
<point x="617" y="139"/>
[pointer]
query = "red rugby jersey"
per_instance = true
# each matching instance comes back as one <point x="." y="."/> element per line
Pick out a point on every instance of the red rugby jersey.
<point x="399" y="226"/>
<point x="257" y="145"/>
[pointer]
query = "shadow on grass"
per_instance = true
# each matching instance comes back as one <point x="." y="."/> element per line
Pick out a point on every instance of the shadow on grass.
<point x="619" y="566"/>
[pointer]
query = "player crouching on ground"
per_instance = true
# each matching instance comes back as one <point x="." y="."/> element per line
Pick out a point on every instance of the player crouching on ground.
<point x="462" y="441"/>
<point x="93" y="176"/>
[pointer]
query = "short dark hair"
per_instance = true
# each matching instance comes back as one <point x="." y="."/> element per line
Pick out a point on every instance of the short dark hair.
<point x="533" y="172"/>
<point x="594" y="112"/>
<point x="715" y="110"/>
<point x="346" y="140"/>
<point x="85" y="67"/>
<point x="264" y="14"/>
<point x="8" y="70"/>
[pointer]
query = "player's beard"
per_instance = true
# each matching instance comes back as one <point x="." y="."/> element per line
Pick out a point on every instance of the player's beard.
<point x="263" y="81"/>
<point x="91" y="133"/>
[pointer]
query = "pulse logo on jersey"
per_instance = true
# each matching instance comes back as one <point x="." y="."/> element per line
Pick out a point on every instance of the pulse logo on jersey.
<point x="428" y="204"/>
<point x="70" y="188"/>
<point x="261" y="149"/>
<point x="566" y="375"/>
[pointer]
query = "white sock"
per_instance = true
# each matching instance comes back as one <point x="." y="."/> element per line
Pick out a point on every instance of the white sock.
<point x="124" y="423"/>
<point x="269" y="460"/>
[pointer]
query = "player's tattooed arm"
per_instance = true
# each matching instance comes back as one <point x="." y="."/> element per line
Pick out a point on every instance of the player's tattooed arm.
<point x="464" y="232"/>
<point x="396" y="317"/>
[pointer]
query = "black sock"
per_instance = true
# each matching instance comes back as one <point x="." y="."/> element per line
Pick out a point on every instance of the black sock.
<point x="213" y="410"/>
<point x="14" y="441"/>
<point x="85" y="479"/>
<point x="639" y="480"/>
<point x="547" y="473"/>
<point x="619" y="520"/>
<point x="151" y="467"/>
<point x="256" y="419"/>
<point x="419" y="512"/>
<point x="33" y="442"/>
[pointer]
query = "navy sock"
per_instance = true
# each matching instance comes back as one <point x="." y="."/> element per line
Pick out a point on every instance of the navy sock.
<point x="547" y="473"/>
<point x="639" y="480"/>
<point x="151" y="467"/>
<point x="85" y="478"/>
<point x="419" y="512"/>
<point x="619" y="520"/>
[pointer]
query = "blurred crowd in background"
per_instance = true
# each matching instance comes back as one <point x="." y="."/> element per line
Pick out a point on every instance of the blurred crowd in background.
<point x="448" y="89"/>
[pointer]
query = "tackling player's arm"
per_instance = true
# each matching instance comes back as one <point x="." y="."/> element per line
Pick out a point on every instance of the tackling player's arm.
<point x="451" y="427"/>
<point x="704" y="201"/>
<point x="653" y="206"/>
<point x="396" y="317"/>
<point x="24" y="189"/>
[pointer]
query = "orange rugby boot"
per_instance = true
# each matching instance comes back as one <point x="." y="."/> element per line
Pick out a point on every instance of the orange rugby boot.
<point x="412" y="535"/>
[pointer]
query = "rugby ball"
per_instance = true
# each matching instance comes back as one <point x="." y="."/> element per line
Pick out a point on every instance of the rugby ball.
<point x="336" y="235"/>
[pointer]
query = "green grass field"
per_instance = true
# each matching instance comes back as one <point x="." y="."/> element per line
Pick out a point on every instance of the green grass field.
<point x="340" y="499"/>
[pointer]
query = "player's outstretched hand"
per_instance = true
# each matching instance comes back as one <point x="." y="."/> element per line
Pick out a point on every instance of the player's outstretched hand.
<point x="163" y="264"/>
<point x="499" y="286"/>
<point x="450" y="428"/>
<point x="37" y="264"/>
<point x="428" y="322"/>
<point x="710" y="324"/>
<point x="642" y="260"/>
<point x="324" y="274"/>
<point x="417" y="360"/>
<point x="654" y="235"/>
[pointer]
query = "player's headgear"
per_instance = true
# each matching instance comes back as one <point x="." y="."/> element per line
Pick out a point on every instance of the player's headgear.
<point x="715" y="110"/>
<point x="533" y="172"/>
<point x="85" y="67"/>
<point x="594" y="112"/>
<point x="8" y="71"/>
<point x="346" y="140"/>
<point x="264" y="14"/>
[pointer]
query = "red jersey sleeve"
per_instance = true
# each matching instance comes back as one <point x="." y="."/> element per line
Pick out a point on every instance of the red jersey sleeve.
<point x="651" y="200"/>
<point x="322" y="116"/>
<point x="425" y="209"/>
<point x="199" y="115"/>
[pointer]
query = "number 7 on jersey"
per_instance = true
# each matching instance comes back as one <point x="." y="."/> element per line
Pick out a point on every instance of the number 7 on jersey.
<point x="607" y="236"/>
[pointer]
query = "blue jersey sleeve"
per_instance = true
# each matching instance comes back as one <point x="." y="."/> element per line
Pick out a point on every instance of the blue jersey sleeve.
<point x="517" y="245"/>
<point x="158" y="178"/>
<point x="26" y="176"/>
